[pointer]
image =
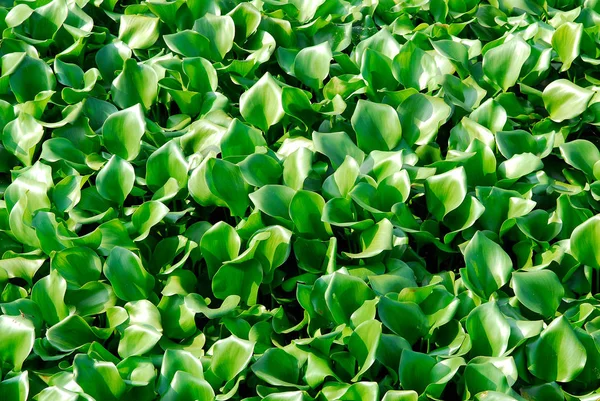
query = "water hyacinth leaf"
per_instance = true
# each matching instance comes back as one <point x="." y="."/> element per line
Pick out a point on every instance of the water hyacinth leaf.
<point x="445" y="192"/>
<point x="489" y="330"/>
<point x="273" y="200"/>
<point x="242" y="279"/>
<point x="584" y="240"/>
<point x="49" y="294"/>
<point x="277" y="367"/>
<point x="311" y="65"/>
<point x="363" y="344"/>
<point x="422" y="67"/>
<point x="539" y="290"/>
<point x="241" y="140"/>
<point x="306" y="209"/>
<point x="564" y="100"/>
<point x="337" y="299"/>
<point x="502" y="64"/>
<point x="115" y="180"/>
<point x="138" y="31"/>
<point x="185" y="386"/>
<point x="219" y="244"/>
<point x="221" y="183"/>
<point x="261" y="104"/>
<point x="201" y="74"/>
<point x="174" y="361"/>
<point x="220" y="32"/>
<point x="246" y="19"/>
<point x="337" y="146"/>
<point x="488" y="266"/>
<point x="123" y="130"/>
<point x="21" y="137"/>
<point x="566" y="41"/>
<point x="21" y="84"/>
<point x="127" y="275"/>
<point x="421" y="116"/>
<point x="99" y="379"/>
<point x="376" y="125"/>
<point x="401" y="395"/>
<point x="189" y="43"/>
<point x="111" y="58"/>
<point x="557" y="355"/>
<point x="17" y="334"/>
<point x="415" y="369"/>
<point x="70" y="334"/>
<point x="403" y="318"/>
<point x="374" y="240"/>
<point x="137" y="340"/>
<point x="580" y="154"/>
<point x="165" y="163"/>
<point x="230" y="356"/>
<point x="136" y="84"/>
<point x="16" y="388"/>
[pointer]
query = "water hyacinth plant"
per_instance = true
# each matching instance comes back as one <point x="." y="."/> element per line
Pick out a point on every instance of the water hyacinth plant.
<point x="299" y="200"/>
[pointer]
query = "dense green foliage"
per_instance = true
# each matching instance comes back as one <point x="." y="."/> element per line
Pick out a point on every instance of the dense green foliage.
<point x="299" y="200"/>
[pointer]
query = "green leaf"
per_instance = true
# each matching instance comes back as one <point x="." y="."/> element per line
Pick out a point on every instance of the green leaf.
<point x="77" y="265"/>
<point x="422" y="67"/>
<point x="421" y="117"/>
<point x="201" y="74"/>
<point x="115" y="181"/>
<point x="147" y="216"/>
<point x="557" y="355"/>
<point x="71" y="333"/>
<point x="138" y="31"/>
<point x="187" y="387"/>
<point x="219" y="182"/>
<point x="502" y="64"/>
<point x="580" y="154"/>
<point x="403" y="318"/>
<point x="344" y="295"/>
<point x="311" y="65"/>
<point x="488" y="266"/>
<point x="127" y="275"/>
<point x="277" y="367"/>
<point x="220" y="32"/>
<point x="489" y="330"/>
<point x="363" y="345"/>
<point x="138" y="339"/>
<point x="16" y="388"/>
<point x="445" y="192"/>
<point x="230" y="356"/>
<point x="261" y="104"/>
<point x="539" y="290"/>
<point x="99" y="379"/>
<point x="273" y="200"/>
<point x="24" y="87"/>
<point x="238" y="278"/>
<point x="123" y="131"/>
<point x="49" y="294"/>
<point x="584" y="241"/>
<point x="136" y="84"/>
<point x="566" y="42"/>
<point x="306" y="209"/>
<point x="167" y="162"/>
<point x="564" y="100"/>
<point x="21" y="137"/>
<point x="374" y="240"/>
<point x="376" y="125"/>
<point x="17" y="335"/>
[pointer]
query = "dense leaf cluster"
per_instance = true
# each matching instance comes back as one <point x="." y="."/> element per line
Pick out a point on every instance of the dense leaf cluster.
<point x="298" y="200"/>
